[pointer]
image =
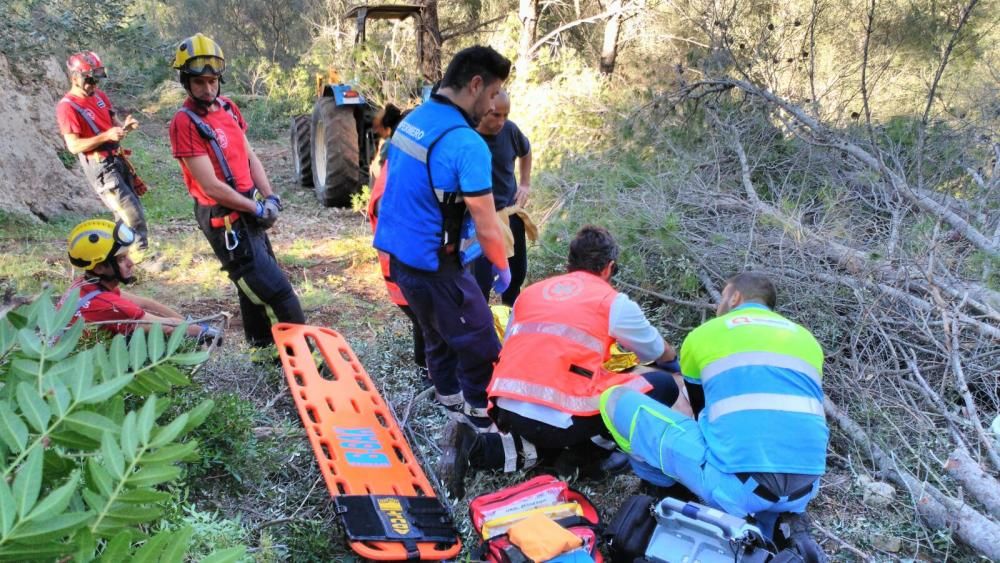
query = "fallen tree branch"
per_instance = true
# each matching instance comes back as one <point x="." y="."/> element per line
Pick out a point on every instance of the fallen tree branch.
<point x="820" y="135"/>
<point x="667" y="298"/>
<point x="936" y="509"/>
<point x="962" y="468"/>
<point x="843" y="543"/>
<point x="918" y="303"/>
<point x="962" y="384"/>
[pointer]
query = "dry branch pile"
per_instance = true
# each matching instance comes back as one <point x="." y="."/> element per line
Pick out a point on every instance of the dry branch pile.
<point x="893" y="275"/>
<point x="882" y="234"/>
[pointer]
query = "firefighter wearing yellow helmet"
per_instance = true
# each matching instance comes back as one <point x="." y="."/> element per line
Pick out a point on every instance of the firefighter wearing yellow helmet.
<point x="101" y="249"/>
<point x="199" y="55"/>
<point x="235" y="204"/>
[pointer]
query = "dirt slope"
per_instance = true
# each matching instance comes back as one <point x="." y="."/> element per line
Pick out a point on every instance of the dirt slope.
<point x="32" y="178"/>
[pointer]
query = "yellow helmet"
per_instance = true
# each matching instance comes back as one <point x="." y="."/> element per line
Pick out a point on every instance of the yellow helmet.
<point x="199" y="55"/>
<point x="96" y="240"/>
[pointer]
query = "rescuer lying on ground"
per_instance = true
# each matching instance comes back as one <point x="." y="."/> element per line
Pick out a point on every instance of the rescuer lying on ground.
<point x="547" y="385"/>
<point x="758" y="446"/>
<point x="101" y="249"/>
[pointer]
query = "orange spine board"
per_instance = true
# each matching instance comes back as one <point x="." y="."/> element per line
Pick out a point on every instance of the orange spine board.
<point x="359" y="446"/>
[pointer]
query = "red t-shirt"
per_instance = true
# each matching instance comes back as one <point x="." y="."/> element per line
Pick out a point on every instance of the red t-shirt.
<point x="229" y="129"/>
<point x="108" y="305"/>
<point x="98" y="107"/>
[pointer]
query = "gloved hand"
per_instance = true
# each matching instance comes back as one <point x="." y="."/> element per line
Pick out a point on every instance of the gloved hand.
<point x="501" y="279"/>
<point x="276" y="200"/>
<point x="267" y="213"/>
<point x="673" y="366"/>
<point x="208" y="334"/>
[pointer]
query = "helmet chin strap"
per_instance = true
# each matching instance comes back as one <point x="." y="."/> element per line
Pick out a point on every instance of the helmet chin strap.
<point x="116" y="275"/>
<point x="186" y="82"/>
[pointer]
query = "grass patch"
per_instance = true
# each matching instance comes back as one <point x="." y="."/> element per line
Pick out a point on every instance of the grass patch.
<point x="167" y="197"/>
<point x="212" y="531"/>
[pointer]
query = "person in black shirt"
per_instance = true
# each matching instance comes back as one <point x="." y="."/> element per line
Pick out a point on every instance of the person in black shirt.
<point x="507" y="144"/>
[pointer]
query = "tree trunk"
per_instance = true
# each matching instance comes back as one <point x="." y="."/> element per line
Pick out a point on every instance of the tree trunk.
<point x="430" y="59"/>
<point x="528" y="13"/>
<point x="609" y="51"/>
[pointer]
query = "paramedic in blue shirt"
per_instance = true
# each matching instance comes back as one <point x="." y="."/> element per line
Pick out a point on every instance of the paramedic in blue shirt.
<point x="754" y="380"/>
<point x="439" y="185"/>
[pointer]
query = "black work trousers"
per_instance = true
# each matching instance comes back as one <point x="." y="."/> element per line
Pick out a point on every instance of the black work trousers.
<point x="518" y="266"/>
<point x="419" y="355"/>
<point x="459" y="340"/>
<point x="266" y="295"/>
<point x="550" y="440"/>
<point x="112" y="180"/>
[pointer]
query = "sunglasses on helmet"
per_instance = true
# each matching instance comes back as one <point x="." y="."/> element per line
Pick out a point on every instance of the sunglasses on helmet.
<point x="123" y="234"/>
<point x="205" y="65"/>
<point x="93" y="74"/>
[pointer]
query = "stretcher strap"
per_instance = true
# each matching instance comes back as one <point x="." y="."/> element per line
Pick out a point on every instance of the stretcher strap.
<point x="360" y="448"/>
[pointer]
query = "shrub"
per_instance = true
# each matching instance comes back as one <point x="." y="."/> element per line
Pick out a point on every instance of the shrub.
<point x="81" y="471"/>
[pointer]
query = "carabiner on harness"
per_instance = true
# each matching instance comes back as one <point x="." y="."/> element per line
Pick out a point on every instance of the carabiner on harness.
<point x="232" y="239"/>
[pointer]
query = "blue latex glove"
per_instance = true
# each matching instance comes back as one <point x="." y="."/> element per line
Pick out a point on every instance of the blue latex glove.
<point x="260" y="209"/>
<point x="501" y="279"/>
<point x="673" y="366"/>
<point x="208" y="333"/>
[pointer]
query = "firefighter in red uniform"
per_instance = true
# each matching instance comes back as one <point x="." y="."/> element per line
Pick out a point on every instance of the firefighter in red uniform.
<point x="93" y="131"/>
<point x="101" y="248"/>
<point x="546" y="388"/>
<point x="234" y="203"/>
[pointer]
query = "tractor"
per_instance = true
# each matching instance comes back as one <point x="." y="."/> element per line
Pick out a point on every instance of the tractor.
<point x="333" y="148"/>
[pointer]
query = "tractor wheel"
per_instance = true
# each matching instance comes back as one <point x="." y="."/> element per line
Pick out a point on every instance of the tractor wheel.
<point x="335" y="170"/>
<point x="301" y="141"/>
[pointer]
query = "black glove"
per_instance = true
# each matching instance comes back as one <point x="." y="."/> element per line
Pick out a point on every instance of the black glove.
<point x="267" y="212"/>
<point x="276" y="200"/>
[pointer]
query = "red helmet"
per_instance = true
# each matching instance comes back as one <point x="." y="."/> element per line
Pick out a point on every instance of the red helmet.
<point x="86" y="64"/>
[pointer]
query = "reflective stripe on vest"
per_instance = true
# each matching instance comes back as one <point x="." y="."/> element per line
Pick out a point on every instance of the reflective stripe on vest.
<point x="557" y="329"/>
<point x="410" y="147"/>
<point x="765" y="401"/>
<point x="770" y="359"/>
<point x="551" y="395"/>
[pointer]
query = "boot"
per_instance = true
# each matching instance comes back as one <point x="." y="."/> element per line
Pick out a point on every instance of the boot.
<point x="478" y="418"/>
<point x="587" y="464"/>
<point x="793" y="534"/>
<point x="456" y="444"/>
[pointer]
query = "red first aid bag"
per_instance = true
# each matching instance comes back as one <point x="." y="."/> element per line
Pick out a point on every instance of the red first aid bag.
<point x="494" y="513"/>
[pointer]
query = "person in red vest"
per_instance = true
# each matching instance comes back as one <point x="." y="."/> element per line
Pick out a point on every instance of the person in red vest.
<point x="385" y="125"/>
<point x="92" y="131"/>
<point x="546" y="388"/>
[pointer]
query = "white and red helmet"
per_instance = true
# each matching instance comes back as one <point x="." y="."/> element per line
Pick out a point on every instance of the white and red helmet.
<point x="86" y="64"/>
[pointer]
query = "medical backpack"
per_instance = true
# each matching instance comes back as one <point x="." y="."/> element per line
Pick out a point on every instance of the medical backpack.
<point x="493" y="515"/>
